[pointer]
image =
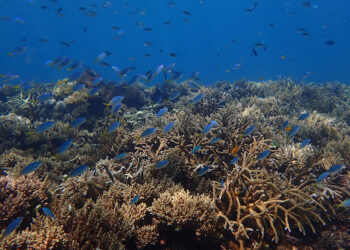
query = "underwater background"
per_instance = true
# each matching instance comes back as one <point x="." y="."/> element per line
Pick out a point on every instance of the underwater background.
<point x="174" y="124"/>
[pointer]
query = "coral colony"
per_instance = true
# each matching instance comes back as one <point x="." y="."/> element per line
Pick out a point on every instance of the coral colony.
<point x="88" y="164"/>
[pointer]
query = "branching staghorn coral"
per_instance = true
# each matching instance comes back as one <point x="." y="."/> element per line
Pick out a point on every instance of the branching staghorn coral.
<point x="256" y="202"/>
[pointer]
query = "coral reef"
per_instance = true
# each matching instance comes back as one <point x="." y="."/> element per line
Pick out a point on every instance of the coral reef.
<point x="216" y="191"/>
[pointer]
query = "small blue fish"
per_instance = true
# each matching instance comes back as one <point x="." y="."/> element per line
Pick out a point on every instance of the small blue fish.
<point x="48" y="212"/>
<point x="31" y="167"/>
<point x="44" y="97"/>
<point x="284" y="125"/>
<point x="148" y="132"/>
<point x="77" y="122"/>
<point x="113" y="127"/>
<point x="303" y="116"/>
<point x="162" y="112"/>
<point x="93" y="91"/>
<point x="168" y="127"/>
<point x="174" y="95"/>
<point x="195" y="149"/>
<point x="322" y="177"/>
<point x="97" y="80"/>
<point x="345" y="203"/>
<point x="304" y="143"/>
<point x="293" y="131"/>
<point x="203" y="171"/>
<point x="135" y="199"/>
<point x="120" y="156"/>
<point x="115" y="100"/>
<point x="335" y="168"/>
<point x="207" y="129"/>
<point x="65" y="146"/>
<point x="197" y="99"/>
<point x="101" y="57"/>
<point x="13" y="226"/>
<point x="215" y="139"/>
<point x="215" y="123"/>
<point x="44" y="127"/>
<point x="78" y="86"/>
<point x="234" y="160"/>
<point x="78" y="171"/>
<point x="249" y="130"/>
<point x="116" y="107"/>
<point x="222" y="183"/>
<point x="161" y="164"/>
<point x="263" y="155"/>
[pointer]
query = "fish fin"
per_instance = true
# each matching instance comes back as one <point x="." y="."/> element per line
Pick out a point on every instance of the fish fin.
<point x="106" y="104"/>
<point x="56" y="156"/>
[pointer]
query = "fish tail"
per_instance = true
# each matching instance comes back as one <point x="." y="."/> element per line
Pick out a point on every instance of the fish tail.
<point x="107" y="104"/>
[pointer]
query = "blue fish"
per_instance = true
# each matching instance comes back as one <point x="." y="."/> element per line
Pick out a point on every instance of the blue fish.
<point x="97" y="80"/>
<point x="161" y="164"/>
<point x="44" y="97"/>
<point x="78" y="86"/>
<point x="234" y="160"/>
<point x="168" y="127"/>
<point x="174" y="95"/>
<point x="284" y="125"/>
<point x="162" y="112"/>
<point x="197" y="98"/>
<point x="222" y="183"/>
<point x="207" y="129"/>
<point x="48" y="212"/>
<point x="13" y="226"/>
<point x="203" y="171"/>
<point x="44" y="127"/>
<point x="215" y="123"/>
<point x="113" y="127"/>
<point x="293" y="131"/>
<point x="115" y="100"/>
<point x="345" y="203"/>
<point x="31" y="167"/>
<point x="93" y="91"/>
<point x="304" y="143"/>
<point x="135" y="199"/>
<point x="195" y="149"/>
<point x="116" y="107"/>
<point x="120" y="156"/>
<point x="215" y="139"/>
<point x="77" y="122"/>
<point x="65" y="146"/>
<point x="78" y="171"/>
<point x="303" y="116"/>
<point x="335" y="168"/>
<point x="322" y="177"/>
<point x="148" y="132"/>
<point x="249" y="130"/>
<point x="263" y="155"/>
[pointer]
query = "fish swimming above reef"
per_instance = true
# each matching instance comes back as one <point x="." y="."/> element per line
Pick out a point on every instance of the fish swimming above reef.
<point x="263" y="155"/>
<point x="345" y="203"/>
<point x="120" y="156"/>
<point x="322" y="177"/>
<point x="13" y="226"/>
<point x="195" y="149"/>
<point x="234" y="160"/>
<point x="113" y="127"/>
<point x="162" y="112"/>
<point x="197" y="99"/>
<point x="135" y="199"/>
<point x="168" y="127"/>
<point x="48" y="212"/>
<point x="335" y="168"/>
<point x="31" y="168"/>
<point x="174" y="95"/>
<point x="203" y="171"/>
<point x="304" y="143"/>
<point x="116" y="107"/>
<point x="215" y="139"/>
<point x="148" y="132"/>
<point x="161" y="164"/>
<point x="207" y="129"/>
<point x="77" y="122"/>
<point x="65" y="146"/>
<point x="249" y="130"/>
<point x="44" y="126"/>
<point x="78" y="171"/>
<point x="303" y="116"/>
<point x="293" y="131"/>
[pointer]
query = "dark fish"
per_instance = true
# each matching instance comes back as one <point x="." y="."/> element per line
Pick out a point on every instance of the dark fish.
<point x="161" y="164"/>
<point x="13" y="226"/>
<point x="78" y="171"/>
<point x="91" y="13"/>
<point x="74" y="65"/>
<point x="147" y="44"/>
<point x="330" y="42"/>
<point x="252" y="8"/>
<point x="42" y="40"/>
<point x="64" y="63"/>
<point x="172" y="54"/>
<point x="67" y="44"/>
<point x="147" y="29"/>
<point x="93" y="91"/>
<point x="166" y="22"/>
<point x="48" y="212"/>
<point x="186" y="12"/>
<point x="31" y="167"/>
<point x="254" y="52"/>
